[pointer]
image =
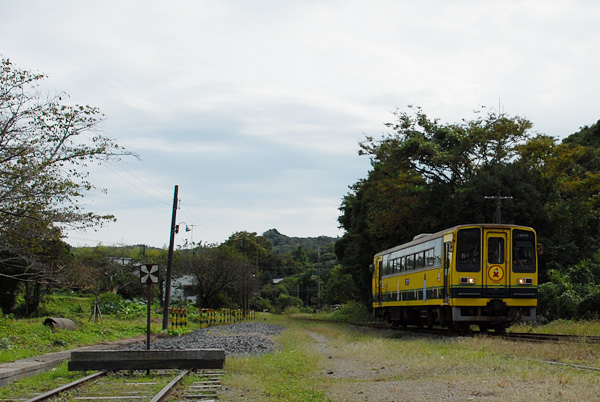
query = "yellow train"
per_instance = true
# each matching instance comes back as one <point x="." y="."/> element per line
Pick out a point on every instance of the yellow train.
<point x="483" y="274"/>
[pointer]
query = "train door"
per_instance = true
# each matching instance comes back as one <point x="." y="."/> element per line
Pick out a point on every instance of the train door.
<point x="496" y="274"/>
<point x="447" y="257"/>
<point x="377" y="279"/>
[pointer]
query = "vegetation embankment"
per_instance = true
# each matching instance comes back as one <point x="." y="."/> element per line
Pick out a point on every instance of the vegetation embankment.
<point x="119" y="319"/>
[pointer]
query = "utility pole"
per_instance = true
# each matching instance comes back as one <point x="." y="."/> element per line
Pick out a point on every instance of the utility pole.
<point x="166" y="304"/>
<point x="498" y="199"/>
<point x="318" y="276"/>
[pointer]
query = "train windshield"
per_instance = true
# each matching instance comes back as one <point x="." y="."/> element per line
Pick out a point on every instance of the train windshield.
<point x="523" y="251"/>
<point x="468" y="250"/>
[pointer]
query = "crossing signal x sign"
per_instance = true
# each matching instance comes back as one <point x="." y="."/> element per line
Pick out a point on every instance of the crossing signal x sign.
<point x="148" y="273"/>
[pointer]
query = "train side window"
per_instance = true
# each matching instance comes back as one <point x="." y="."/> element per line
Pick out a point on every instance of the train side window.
<point x="429" y="258"/>
<point x="420" y="260"/>
<point x="410" y="262"/>
<point x="523" y="251"/>
<point x="468" y="250"/>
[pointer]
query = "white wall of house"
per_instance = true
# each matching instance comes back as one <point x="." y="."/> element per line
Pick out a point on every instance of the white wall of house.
<point x="180" y="289"/>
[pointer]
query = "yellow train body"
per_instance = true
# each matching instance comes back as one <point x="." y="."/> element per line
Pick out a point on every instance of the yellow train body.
<point x="483" y="274"/>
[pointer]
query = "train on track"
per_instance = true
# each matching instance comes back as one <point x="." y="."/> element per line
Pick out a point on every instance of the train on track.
<point x="483" y="274"/>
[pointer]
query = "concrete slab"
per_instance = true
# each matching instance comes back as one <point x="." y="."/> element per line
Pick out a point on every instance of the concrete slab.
<point x="113" y="360"/>
<point x="14" y="371"/>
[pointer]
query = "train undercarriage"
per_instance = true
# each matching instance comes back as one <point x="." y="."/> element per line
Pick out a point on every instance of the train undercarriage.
<point x="496" y="316"/>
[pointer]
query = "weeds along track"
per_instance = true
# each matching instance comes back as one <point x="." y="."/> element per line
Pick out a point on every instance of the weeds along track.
<point x="159" y="386"/>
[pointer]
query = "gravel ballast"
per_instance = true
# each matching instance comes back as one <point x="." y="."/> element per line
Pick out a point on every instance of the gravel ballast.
<point x="245" y="338"/>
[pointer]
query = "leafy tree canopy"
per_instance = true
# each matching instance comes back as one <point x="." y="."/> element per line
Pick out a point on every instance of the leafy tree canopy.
<point x="45" y="148"/>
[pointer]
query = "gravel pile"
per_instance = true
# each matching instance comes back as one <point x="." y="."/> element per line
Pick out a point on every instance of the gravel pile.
<point x="246" y="338"/>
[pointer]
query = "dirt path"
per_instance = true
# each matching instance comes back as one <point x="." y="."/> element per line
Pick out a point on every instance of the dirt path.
<point x="362" y="379"/>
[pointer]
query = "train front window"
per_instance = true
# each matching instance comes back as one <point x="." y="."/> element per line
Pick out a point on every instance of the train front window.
<point x="523" y="251"/>
<point x="496" y="250"/>
<point x="468" y="250"/>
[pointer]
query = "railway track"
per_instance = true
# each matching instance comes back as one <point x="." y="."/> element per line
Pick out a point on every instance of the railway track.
<point x="516" y="336"/>
<point x="161" y="386"/>
<point x="526" y="336"/>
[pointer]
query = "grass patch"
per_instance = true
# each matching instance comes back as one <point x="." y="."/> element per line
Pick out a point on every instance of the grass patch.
<point x="320" y="361"/>
<point x="29" y="387"/>
<point x="567" y="327"/>
<point x="290" y="374"/>
<point x="25" y="338"/>
<point x="22" y="338"/>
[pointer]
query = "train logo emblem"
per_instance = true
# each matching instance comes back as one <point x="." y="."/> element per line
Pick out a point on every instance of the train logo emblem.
<point x="496" y="273"/>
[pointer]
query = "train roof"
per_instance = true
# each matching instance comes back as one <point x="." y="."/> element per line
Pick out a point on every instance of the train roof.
<point x="422" y="238"/>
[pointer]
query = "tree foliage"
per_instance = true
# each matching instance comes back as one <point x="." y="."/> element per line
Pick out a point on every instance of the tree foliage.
<point x="46" y="146"/>
<point x="221" y="274"/>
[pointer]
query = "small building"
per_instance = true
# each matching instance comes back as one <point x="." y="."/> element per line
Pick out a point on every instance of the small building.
<point x="183" y="289"/>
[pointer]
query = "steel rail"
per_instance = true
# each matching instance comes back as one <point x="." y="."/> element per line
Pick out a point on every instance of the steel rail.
<point x="164" y="393"/>
<point x="66" y="387"/>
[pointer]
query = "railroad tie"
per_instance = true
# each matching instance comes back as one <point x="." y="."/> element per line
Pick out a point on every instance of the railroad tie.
<point x="205" y="389"/>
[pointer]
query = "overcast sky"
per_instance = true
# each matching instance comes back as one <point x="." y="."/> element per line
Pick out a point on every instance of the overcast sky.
<point x="255" y="108"/>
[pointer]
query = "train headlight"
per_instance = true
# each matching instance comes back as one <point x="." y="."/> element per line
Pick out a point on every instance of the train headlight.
<point x="525" y="281"/>
<point x="467" y="281"/>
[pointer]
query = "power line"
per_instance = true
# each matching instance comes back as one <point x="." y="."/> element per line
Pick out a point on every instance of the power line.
<point x="186" y="211"/>
<point x="135" y="186"/>
<point x="197" y="223"/>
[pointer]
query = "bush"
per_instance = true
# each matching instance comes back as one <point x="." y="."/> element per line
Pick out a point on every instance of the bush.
<point x="111" y="303"/>
<point x="353" y="311"/>
<point x="259" y="303"/>
<point x="284" y="302"/>
<point x="589" y="308"/>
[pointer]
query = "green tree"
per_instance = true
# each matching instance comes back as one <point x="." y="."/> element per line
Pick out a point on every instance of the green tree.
<point x="32" y="275"/>
<point x="45" y="147"/>
<point x="106" y="269"/>
<point x="220" y="273"/>
<point x="340" y="288"/>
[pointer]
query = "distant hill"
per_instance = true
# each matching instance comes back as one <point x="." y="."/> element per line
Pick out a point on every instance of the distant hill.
<point x="285" y="244"/>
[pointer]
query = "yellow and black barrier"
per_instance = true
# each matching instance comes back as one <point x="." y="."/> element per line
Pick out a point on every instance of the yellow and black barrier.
<point x="210" y="317"/>
<point x="178" y="318"/>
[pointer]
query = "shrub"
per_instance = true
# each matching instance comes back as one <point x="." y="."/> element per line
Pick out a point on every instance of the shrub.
<point x="111" y="303"/>
<point x="589" y="308"/>
<point x="353" y="311"/>
<point x="284" y="302"/>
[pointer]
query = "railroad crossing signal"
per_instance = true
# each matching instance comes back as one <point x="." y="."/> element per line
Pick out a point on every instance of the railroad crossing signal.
<point x="149" y="273"/>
